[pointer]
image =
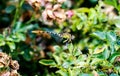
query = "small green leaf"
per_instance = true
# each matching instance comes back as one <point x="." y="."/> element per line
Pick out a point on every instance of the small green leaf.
<point x="117" y="22"/>
<point x="113" y="56"/>
<point x="79" y="26"/>
<point x="2" y="43"/>
<point x="70" y="72"/>
<point x="106" y="53"/>
<point x="70" y="47"/>
<point x="111" y="36"/>
<point x="15" y="38"/>
<point x="57" y="59"/>
<point x="101" y="35"/>
<point x="62" y="73"/>
<point x="111" y="2"/>
<point x="96" y="61"/>
<point x="84" y="74"/>
<point x="1" y="37"/>
<point x="102" y="74"/>
<point x="21" y="36"/>
<point x="98" y="50"/>
<point x="47" y="62"/>
<point x="113" y="74"/>
<point x="9" y="39"/>
<point x="10" y="8"/>
<point x="77" y="52"/>
<point x="11" y="45"/>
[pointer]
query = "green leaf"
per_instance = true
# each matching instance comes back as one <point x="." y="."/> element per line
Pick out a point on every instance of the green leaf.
<point x="96" y="61"/>
<point x="70" y="47"/>
<point x="102" y="74"/>
<point x="111" y="36"/>
<point x="79" y="26"/>
<point x="106" y="65"/>
<point x="1" y="37"/>
<point x="62" y="73"/>
<point x="77" y="52"/>
<point x="100" y="35"/>
<point x="57" y="48"/>
<point x="84" y="74"/>
<point x="9" y="39"/>
<point x="113" y="56"/>
<point x="11" y="45"/>
<point x="111" y="2"/>
<point x="117" y="22"/>
<point x="15" y="38"/>
<point x="113" y="74"/>
<point x="21" y="36"/>
<point x="57" y="59"/>
<point x="106" y="53"/>
<point x="2" y="43"/>
<point x="9" y="9"/>
<point x="112" y="47"/>
<point x="98" y="50"/>
<point x="47" y="62"/>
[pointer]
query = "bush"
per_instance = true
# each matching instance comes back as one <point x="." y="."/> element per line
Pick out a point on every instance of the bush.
<point x="61" y="37"/>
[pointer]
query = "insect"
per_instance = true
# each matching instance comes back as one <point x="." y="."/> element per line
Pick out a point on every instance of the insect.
<point x="63" y="37"/>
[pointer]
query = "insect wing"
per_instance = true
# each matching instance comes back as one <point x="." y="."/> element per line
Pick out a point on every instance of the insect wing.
<point x="56" y="36"/>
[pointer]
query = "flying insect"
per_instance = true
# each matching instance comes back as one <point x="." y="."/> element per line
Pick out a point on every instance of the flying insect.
<point x="63" y="37"/>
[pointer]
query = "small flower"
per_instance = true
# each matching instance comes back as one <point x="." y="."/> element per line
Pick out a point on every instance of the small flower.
<point x="14" y="64"/>
<point x="53" y="13"/>
<point x="35" y="3"/>
<point x="4" y="60"/>
<point x="69" y="13"/>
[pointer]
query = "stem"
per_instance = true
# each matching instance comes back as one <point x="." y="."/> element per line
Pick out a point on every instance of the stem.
<point x="17" y="13"/>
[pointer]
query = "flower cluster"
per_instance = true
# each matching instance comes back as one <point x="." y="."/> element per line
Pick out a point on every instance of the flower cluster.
<point x="52" y="12"/>
<point x="10" y="66"/>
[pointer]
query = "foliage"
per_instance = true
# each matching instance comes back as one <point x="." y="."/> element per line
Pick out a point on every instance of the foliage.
<point x="91" y="36"/>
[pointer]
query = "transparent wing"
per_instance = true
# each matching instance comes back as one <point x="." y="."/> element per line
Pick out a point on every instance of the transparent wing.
<point x="57" y="37"/>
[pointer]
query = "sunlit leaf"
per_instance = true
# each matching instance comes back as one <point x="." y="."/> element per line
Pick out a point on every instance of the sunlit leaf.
<point x="77" y="52"/>
<point x="47" y="62"/>
<point x="102" y="74"/>
<point x="117" y="22"/>
<point x="106" y="53"/>
<point x="1" y="37"/>
<point x="62" y="73"/>
<point x="114" y="74"/>
<point x="70" y="47"/>
<point x="113" y="56"/>
<point x="57" y="59"/>
<point x="101" y="35"/>
<point x="9" y="39"/>
<point x="79" y="26"/>
<point x="111" y="2"/>
<point x="111" y="36"/>
<point x="84" y="74"/>
<point x="21" y="36"/>
<point x="11" y="45"/>
<point x="2" y="43"/>
<point x="96" y="61"/>
<point x="98" y="50"/>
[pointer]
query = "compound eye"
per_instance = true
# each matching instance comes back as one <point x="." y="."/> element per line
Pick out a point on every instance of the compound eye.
<point x="102" y="7"/>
